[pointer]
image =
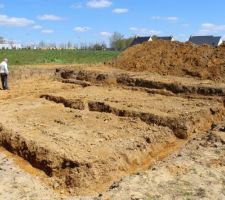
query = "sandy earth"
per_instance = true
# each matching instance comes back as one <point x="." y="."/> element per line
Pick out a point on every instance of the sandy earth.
<point x="197" y="171"/>
<point x="17" y="183"/>
<point x="89" y="140"/>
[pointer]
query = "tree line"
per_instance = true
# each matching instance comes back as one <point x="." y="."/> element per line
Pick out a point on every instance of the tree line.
<point x="117" y="42"/>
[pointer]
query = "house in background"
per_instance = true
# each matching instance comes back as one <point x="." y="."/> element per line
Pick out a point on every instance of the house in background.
<point x="139" y="40"/>
<point x="210" y="40"/>
<point x="16" y="46"/>
<point x="9" y="45"/>
<point x="167" y="38"/>
<point x="5" y="46"/>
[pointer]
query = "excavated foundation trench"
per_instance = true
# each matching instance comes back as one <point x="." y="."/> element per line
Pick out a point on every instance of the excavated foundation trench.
<point x="80" y="155"/>
<point x="133" y="80"/>
<point x="181" y="127"/>
<point x="88" y="135"/>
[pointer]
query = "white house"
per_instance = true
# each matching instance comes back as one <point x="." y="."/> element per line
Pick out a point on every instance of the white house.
<point x="210" y="40"/>
<point x="139" y="40"/>
<point x="5" y="46"/>
<point x="16" y="46"/>
<point x="167" y="38"/>
<point x="9" y="45"/>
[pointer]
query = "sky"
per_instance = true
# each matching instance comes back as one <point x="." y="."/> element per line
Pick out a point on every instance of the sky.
<point x="91" y="21"/>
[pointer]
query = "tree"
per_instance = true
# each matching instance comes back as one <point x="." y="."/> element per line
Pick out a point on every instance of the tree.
<point x="99" y="46"/>
<point x="115" y="41"/>
<point x="62" y="46"/>
<point x="127" y="42"/>
<point x="70" y="45"/>
<point x="154" y="37"/>
<point x="118" y="42"/>
<point x="52" y="45"/>
<point x="42" y="44"/>
<point x="2" y="39"/>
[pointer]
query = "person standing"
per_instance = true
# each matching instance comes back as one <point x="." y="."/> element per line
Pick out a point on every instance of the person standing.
<point x="4" y="73"/>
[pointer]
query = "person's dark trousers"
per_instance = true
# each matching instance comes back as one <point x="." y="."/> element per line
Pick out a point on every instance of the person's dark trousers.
<point x="4" y="79"/>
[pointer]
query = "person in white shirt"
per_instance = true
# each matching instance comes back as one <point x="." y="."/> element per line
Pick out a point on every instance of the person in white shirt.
<point x="4" y="73"/>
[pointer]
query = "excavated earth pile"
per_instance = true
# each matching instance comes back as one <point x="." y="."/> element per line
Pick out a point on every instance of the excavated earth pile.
<point x="89" y="128"/>
<point x="174" y="58"/>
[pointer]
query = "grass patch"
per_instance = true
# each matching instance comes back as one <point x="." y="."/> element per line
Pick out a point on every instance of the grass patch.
<point x="32" y="57"/>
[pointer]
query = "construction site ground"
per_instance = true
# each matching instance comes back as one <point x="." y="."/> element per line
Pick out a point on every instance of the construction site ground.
<point x="95" y="132"/>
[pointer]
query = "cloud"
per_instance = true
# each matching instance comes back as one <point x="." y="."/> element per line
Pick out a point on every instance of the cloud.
<point x="171" y="18"/>
<point x="99" y="3"/>
<point x="14" y="21"/>
<point x="105" y="34"/>
<point x="82" y="29"/>
<point x="144" y="31"/>
<point x="49" y="17"/>
<point x="37" y="27"/>
<point x="47" y="31"/>
<point x="156" y="17"/>
<point x="120" y="10"/>
<point x="209" y="28"/>
<point x="2" y="6"/>
<point x="77" y="5"/>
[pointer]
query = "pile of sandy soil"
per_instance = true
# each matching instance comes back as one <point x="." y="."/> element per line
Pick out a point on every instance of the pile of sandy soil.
<point x="174" y="58"/>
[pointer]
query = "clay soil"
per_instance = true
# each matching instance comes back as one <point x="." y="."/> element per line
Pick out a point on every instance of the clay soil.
<point x="86" y="129"/>
<point x="174" y="58"/>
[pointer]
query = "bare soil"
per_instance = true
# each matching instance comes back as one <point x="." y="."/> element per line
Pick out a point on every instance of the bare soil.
<point x="196" y="171"/>
<point x="174" y="58"/>
<point x="88" y="128"/>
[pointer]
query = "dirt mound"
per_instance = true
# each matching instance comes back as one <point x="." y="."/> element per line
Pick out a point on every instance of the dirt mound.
<point x="174" y="58"/>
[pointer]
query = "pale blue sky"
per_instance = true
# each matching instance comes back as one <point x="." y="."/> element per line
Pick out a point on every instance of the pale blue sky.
<point x="89" y="21"/>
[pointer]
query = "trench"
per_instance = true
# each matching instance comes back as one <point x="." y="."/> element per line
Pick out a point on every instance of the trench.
<point x="17" y="144"/>
<point x="40" y="157"/>
<point x="72" y="174"/>
<point x="181" y="127"/>
<point x="69" y="172"/>
<point x="70" y="103"/>
<point x="175" y="88"/>
<point x="88" y="77"/>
